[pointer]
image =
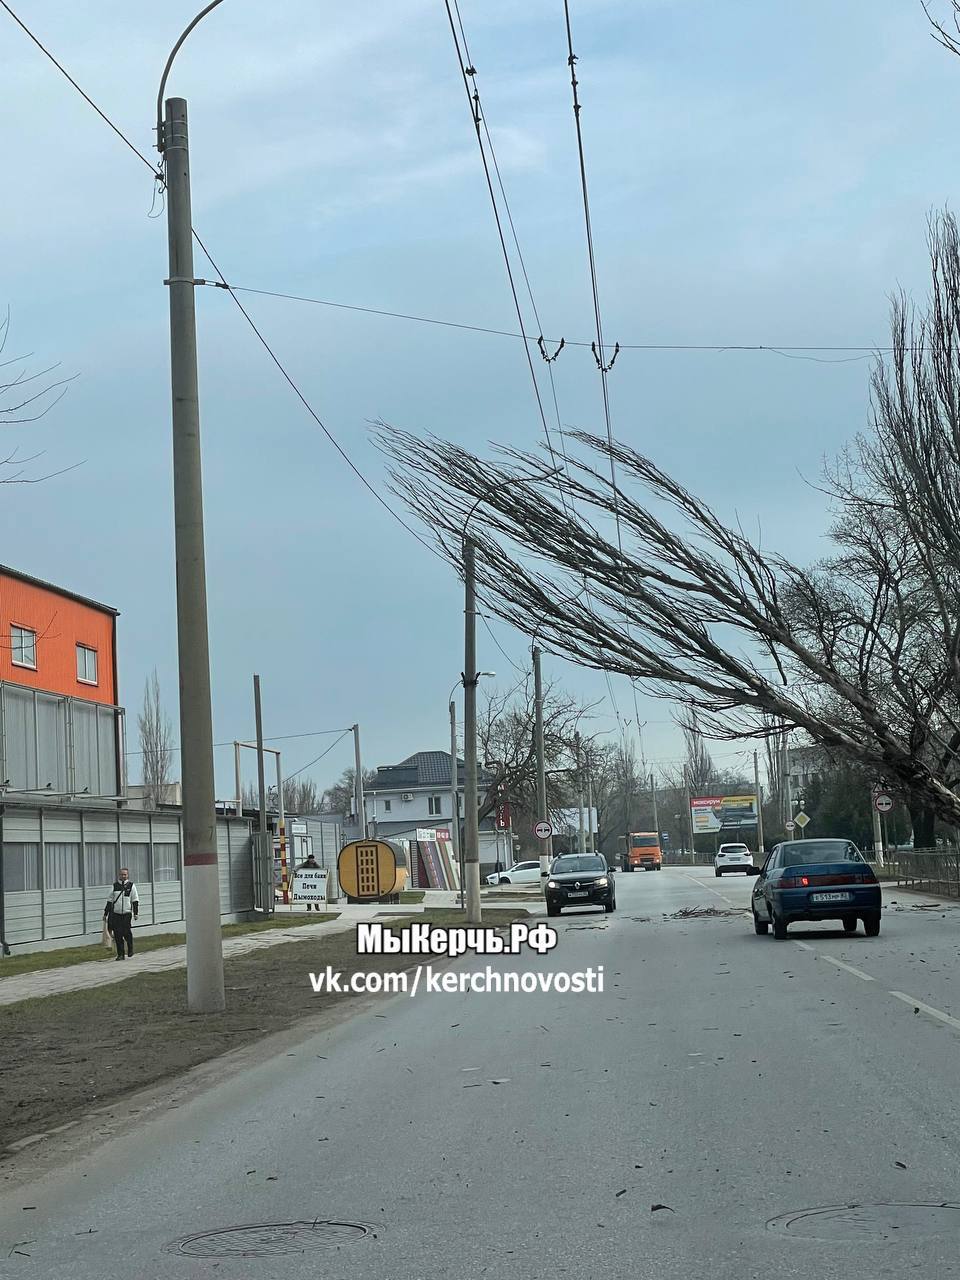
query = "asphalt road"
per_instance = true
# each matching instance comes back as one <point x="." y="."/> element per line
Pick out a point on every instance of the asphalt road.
<point x="730" y="1077"/>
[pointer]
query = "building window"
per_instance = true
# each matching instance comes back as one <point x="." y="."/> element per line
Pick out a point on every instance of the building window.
<point x="136" y="858"/>
<point x="101" y="864"/>
<point x="61" y="866"/>
<point x="86" y="664"/>
<point x="23" y="645"/>
<point x="166" y="862"/>
<point x="433" y="805"/>
<point x="386" y="806"/>
<point x="21" y="868"/>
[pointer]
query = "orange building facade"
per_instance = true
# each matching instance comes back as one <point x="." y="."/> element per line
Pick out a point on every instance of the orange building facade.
<point x="61" y="730"/>
<point x="57" y="641"/>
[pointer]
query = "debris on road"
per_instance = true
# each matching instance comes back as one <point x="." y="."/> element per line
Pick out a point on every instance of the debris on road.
<point x="692" y="913"/>
<point x="655" y="1207"/>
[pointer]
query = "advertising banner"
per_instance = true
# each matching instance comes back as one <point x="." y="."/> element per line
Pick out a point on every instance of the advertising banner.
<point x="722" y="813"/>
<point x="310" y="885"/>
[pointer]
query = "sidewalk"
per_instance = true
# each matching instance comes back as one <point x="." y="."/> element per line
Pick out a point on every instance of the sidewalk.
<point x="99" y="973"/>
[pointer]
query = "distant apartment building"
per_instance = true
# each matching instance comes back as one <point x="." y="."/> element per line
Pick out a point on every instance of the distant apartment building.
<point x="62" y="730"/>
<point x="805" y="764"/>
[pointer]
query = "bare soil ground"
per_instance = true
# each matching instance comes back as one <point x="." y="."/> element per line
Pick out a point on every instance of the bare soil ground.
<point x="65" y="1056"/>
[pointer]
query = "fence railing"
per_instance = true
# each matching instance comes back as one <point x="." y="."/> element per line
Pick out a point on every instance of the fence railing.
<point x="935" y="870"/>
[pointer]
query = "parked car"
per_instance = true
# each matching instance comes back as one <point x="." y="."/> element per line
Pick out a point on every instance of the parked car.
<point x="816" y="880"/>
<point x="519" y="873"/>
<point x="733" y="857"/>
<point x="579" y="880"/>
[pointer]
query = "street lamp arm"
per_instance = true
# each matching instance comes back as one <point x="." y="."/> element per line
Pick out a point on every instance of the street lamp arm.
<point x="166" y="70"/>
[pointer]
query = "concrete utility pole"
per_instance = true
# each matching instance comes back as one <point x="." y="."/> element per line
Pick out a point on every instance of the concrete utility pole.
<point x="471" y="677"/>
<point x="358" y="784"/>
<point x="593" y="843"/>
<point x="686" y="787"/>
<point x="656" y="814"/>
<point x="286" y="880"/>
<point x="201" y="873"/>
<point x="582" y="838"/>
<point x="756" y="783"/>
<point x="546" y="846"/>
<point x="455" y="800"/>
<point x="266" y="844"/>
<point x="787" y="789"/>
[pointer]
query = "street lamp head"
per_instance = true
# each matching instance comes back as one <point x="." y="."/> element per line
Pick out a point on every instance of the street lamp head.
<point x="491" y="674"/>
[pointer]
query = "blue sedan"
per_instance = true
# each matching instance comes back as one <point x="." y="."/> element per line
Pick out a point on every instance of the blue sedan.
<point x="816" y="880"/>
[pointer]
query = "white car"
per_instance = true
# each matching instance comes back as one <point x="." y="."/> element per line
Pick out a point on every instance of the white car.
<point x="733" y="857"/>
<point x="519" y="873"/>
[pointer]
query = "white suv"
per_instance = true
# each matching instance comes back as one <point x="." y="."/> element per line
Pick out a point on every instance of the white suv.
<point x="519" y="873"/>
<point x="733" y="857"/>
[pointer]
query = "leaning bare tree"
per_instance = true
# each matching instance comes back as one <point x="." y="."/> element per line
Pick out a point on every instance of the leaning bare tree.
<point x="156" y="743"/>
<point x="737" y="633"/>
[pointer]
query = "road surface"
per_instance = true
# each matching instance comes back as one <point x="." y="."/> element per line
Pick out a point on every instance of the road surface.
<point x="732" y="1078"/>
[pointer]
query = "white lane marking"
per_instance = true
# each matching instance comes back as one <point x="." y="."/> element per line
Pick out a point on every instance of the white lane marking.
<point x="701" y="885"/>
<point x="857" y="973"/>
<point x="928" y="1009"/>
<point x="803" y="946"/>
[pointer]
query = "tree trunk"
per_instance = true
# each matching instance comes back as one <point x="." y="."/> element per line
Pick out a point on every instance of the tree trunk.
<point x="922" y="818"/>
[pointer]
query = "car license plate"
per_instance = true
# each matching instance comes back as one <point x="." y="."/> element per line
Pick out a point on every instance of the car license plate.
<point x="578" y="893"/>
<point x="830" y="897"/>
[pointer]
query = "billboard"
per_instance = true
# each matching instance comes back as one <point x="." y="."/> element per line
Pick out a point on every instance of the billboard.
<point x="722" y="813"/>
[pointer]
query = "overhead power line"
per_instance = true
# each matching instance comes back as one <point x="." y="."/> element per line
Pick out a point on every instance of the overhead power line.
<point x="781" y="349"/>
<point x="469" y="75"/>
<point x="283" y="737"/>
<point x="316" y="760"/>
<point x="86" y="97"/>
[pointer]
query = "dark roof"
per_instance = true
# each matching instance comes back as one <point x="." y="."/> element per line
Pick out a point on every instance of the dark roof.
<point x="61" y="591"/>
<point x="424" y="769"/>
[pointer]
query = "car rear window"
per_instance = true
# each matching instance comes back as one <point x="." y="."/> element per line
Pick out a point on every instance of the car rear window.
<point x="734" y="848"/>
<point x="806" y="853"/>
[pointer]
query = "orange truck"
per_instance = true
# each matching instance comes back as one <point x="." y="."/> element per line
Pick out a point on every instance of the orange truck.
<point x="643" y="852"/>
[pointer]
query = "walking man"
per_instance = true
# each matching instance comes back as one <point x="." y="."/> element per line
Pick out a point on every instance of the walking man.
<point x="121" y="911"/>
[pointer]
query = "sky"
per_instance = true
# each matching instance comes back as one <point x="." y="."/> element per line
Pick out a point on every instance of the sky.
<point x="759" y="174"/>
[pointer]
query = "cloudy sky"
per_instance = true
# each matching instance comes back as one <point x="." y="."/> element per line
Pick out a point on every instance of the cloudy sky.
<point x="760" y="174"/>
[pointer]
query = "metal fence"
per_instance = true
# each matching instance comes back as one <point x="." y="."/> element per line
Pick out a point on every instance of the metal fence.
<point x="934" y="870"/>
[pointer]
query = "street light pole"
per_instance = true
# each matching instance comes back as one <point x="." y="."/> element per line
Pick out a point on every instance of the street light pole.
<point x="471" y="853"/>
<point x="358" y="785"/>
<point x="756" y="784"/>
<point x="455" y="798"/>
<point x="205" y="992"/>
<point x="593" y="843"/>
<point x="546" y="846"/>
<point x="582" y="838"/>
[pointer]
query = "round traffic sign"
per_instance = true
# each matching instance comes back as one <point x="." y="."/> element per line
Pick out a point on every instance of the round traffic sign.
<point x="790" y="825"/>
<point x="543" y="831"/>
<point x="882" y="802"/>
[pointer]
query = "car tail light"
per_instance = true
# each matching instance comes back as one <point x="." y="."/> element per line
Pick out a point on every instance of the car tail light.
<point x="790" y="882"/>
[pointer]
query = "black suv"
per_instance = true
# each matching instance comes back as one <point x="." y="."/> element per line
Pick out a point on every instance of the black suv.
<point x="578" y="880"/>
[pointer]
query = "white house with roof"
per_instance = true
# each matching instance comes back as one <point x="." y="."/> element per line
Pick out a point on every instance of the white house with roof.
<point x="415" y="795"/>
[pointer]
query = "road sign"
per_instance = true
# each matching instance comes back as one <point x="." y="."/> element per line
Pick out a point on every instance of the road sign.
<point x="543" y="831"/>
<point x="789" y="825"/>
<point x="801" y="819"/>
<point x="882" y="802"/>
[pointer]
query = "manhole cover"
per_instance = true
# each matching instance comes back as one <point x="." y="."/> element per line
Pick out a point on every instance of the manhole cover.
<point x="863" y="1222"/>
<point x="263" y="1239"/>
